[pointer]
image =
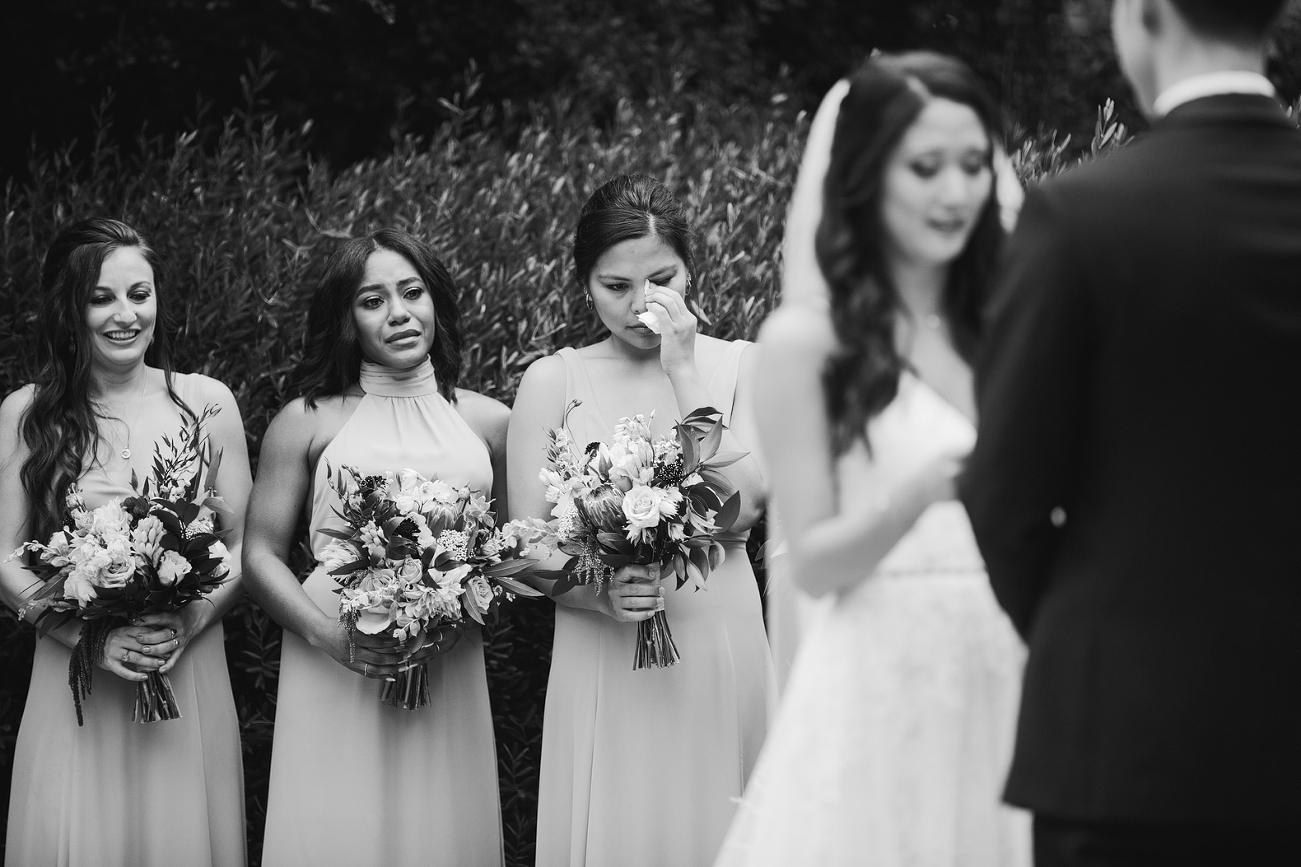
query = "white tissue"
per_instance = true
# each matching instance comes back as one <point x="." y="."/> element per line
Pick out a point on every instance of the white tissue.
<point x="649" y="319"/>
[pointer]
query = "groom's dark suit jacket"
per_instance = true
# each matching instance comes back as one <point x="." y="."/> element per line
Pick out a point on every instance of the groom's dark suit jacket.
<point x="1136" y="486"/>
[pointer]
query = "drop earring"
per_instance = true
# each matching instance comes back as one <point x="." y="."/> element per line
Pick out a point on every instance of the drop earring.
<point x="587" y="299"/>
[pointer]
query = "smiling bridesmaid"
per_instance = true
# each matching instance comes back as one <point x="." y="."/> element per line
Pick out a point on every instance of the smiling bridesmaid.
<point x="114" y="792"/>
<point x="353" y="780"/>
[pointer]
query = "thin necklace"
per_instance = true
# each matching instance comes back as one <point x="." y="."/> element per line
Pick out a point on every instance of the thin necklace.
<point x="140" y="404"/>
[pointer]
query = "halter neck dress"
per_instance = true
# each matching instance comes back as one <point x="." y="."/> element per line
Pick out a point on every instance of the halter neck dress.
<point x="118" y="793"/>
<point x="698" y="725"/>
<point x="355" y="781"/>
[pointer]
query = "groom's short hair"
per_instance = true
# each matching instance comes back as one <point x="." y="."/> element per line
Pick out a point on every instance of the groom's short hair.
<point x="1230" y="19"/>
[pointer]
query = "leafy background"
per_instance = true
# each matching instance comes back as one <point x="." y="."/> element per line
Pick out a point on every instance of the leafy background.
<point x="246" y="137"/>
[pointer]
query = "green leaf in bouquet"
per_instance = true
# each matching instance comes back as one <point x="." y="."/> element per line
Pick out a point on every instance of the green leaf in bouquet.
<point x="564" y="581"/>
<point x="690" y="455"/>
<point x="615" y="543"/>
<point x="717" y="554"/>
<point x="729" y="513"/>
<point x="210" y="479"/>
<point x="695" y="573"/>
<point x="341" y="535"/>
<point x="725" y="459"/>
<point x="711" y="441"/>
<point x="509" y="567"/>
<point x="350" y="568"/>
<point x="217" y="504"/>
<point x="517" y="588"/>
<point x="703" y="415"/>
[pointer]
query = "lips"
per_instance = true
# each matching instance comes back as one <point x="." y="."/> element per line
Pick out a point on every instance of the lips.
<point x="956" y="224"/>
<point x="403" y="335"/>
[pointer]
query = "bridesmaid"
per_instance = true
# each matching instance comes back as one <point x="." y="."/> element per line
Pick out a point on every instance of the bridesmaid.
<point x="644" y="767"/>
<point x="355" y="781"/>
<point x="116" y="793"/>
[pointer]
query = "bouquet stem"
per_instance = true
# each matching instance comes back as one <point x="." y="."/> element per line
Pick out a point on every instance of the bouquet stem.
<point x="155" y="700"/>
<point x="655" y="647"/>
<point x="410" y="691"/>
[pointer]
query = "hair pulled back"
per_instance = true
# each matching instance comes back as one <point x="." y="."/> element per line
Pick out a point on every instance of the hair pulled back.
<point x="885" y="97"/>
<point x="624" y="209"/>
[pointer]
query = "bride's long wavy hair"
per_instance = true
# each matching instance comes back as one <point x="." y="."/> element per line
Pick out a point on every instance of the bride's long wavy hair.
<point x="331" y="349"/>
<point x="60" y="426"/>
<point x="884" y="99"/>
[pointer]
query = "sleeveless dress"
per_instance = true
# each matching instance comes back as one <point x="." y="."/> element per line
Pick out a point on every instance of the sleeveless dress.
<point x="118" y="793"/>
<point x="895" y="731"/>
<point x="354" y="781"/>
<point x="668" y="802"/>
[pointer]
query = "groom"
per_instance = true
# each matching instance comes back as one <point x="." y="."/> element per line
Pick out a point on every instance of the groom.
<point x="1136" y="487"/>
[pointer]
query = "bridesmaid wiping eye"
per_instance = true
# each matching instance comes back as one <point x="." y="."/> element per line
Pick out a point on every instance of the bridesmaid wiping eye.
<point x="643" y="767"/>
<point x="376" y="391"/>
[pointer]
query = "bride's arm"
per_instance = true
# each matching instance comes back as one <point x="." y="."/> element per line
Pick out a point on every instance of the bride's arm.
<point x="539" y="407"/>
<point x="835" y="538"/>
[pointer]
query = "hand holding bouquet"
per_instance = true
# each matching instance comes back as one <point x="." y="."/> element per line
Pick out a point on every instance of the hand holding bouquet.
<point x="642" y="500"/>
<point x="419" y="560"/>
<point x="154" y="552"/>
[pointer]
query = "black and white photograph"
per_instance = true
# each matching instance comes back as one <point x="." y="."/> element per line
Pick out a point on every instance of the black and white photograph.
<point x="678" y="433"/>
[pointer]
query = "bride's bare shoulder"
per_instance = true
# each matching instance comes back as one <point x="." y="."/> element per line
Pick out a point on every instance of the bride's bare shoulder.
<point x="799" y="326"/>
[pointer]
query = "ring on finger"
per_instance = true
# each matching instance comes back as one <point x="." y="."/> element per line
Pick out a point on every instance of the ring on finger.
<point x="126" y="656"/>
<point x="365" y="669"/>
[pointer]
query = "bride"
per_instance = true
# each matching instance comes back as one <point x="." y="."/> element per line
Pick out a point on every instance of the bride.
<point x="897" y="722"/>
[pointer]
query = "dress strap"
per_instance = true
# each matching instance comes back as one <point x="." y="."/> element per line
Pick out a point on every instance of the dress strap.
<point x="578" y="385"/>
<point x="722" y="385"/>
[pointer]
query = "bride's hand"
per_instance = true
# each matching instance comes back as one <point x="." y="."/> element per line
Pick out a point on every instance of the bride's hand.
<point x="677" y="329"/>
<point x="633" y="594"/>
<point x="939" y="476"/>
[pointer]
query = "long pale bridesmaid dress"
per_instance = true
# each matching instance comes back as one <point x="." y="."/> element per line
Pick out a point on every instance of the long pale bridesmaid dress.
<point x="355" y="781"/>
<point x="697" y="726"/>
<point x="118" y="793"/>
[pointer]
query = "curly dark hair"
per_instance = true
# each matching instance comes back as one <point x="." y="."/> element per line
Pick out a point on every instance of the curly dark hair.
<point x="331" y="350"/>
<point x="885" y="97"/>
<point x="60" y="426"/>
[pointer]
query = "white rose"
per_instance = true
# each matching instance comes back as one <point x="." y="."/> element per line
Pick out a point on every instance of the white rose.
<point x="79" y="586"/>
<point x="409" y="571"/>
<point x="641" y="506"/>
<point x="173" y="568"/>
<point x="481" y="590"/>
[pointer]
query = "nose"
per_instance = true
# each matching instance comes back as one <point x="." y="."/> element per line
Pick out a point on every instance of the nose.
<point x="955" y="186"/>
<point x="123" y="314"/>
<point x="397" y="312"/>
<point x="639" y="298"/>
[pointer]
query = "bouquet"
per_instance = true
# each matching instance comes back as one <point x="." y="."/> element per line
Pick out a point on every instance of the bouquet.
<point x="642" y="500"/>
<point x="419" y="560"/>
<point x="156" y="551"/>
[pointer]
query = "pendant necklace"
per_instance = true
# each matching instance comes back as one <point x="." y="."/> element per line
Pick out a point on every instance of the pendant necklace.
<point x="126" y="450"/>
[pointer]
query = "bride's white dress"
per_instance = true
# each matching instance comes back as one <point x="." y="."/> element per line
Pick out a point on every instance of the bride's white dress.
<point x="895" y="731"/>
